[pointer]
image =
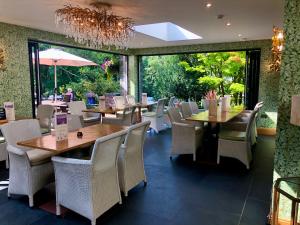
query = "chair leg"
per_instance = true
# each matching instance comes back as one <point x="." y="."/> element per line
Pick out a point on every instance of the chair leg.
<point x="194" y="157"/>
<point x="8" y="195"/>
<point x="30" y="200"/>
<point x="93" y="222"/>
<point x="126" y="193"/>
<point x="218" y="159"/>
<point x="58" y="210"/>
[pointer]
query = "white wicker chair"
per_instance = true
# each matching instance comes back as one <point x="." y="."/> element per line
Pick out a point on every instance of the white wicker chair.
<point x="172" y="101"/>
<point x="44" y="115"/>
<point x="127" y="118"/>
<point x="156" y="118"/>
<point x="237" y="144"/>
<point x="3" y="151"/>
<point x="240" y="122"/>
<point x="75" y="122"/>
<point x="131" y="159"/>
<point x="77" y="107"/>
<point x="186" y="138"/>
<point x="29" y="169"/>
<point x="194" y="108"/>
<point x="186" y="111"/>
<point x="130" y="100"/>
<point x="90" y="187"/>
<point x="120" y="102"/>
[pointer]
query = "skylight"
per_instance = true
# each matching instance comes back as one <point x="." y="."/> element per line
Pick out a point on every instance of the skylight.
<point x="166" y="31"/>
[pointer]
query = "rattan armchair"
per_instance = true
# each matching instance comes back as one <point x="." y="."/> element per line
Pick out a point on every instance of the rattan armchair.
<point x="90" y="187"/>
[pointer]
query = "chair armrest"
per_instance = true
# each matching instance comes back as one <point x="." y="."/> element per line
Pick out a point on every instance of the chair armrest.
<point x="116" y="121"/>
<point x="15" y="150"/>
<point x="63" y="160"/>
<point x="183" y="125"/>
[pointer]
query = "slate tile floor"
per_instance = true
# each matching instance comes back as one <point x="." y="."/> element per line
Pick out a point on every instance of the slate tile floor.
<point x="179" y="192"/>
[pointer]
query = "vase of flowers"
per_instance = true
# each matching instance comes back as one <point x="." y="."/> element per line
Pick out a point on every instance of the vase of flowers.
<point x="211" y="99"/>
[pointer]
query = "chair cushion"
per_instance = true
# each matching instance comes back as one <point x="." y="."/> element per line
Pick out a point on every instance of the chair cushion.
<point x="149" y="114"/>
<point x="38" y="157"/>
<point x="91" y="119"/>
<point x="45" y="130"/>
<point x="232" y="135"/>
<point x="2" y="140"/>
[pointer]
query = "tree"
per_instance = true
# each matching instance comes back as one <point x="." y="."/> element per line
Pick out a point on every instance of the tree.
<point x="160" y="74"/>
<point x="228" y="66"/>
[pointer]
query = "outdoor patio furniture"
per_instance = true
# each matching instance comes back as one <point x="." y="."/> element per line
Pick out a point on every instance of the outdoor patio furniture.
<point x="44" y="115"/>
<point x="77" y="107"/>
<point x="186" y="138"/>
<point x="237" y="144"/>
<point x="120" y="102"/>
<point x="130" y="100"/>
<point x="131" y="159"/>
<point x="90" y="187"/>
<point x="29" y="169"/>
<point x="156" y="118"/>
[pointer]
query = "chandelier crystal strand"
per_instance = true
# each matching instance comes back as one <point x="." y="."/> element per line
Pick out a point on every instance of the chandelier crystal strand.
<point x="96" y="27"/>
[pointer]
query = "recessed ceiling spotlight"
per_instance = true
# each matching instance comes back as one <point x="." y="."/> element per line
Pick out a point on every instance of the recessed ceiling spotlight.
<point x="240" y="35"/>
<point x="228" y="24"/>
<point x="208" y="5"/>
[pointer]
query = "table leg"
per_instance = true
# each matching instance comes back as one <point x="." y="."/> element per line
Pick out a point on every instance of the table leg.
<point x="275" y="207"/>
<point x="140" y="114"/>
<point x="294" y="213"/>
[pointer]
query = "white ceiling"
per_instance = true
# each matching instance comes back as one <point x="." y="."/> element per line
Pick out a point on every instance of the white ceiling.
<point x="253" y="19"/>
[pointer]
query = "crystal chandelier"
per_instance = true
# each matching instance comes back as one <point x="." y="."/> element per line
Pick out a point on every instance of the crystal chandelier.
<point x="277" y="47"/>
<point x="96" y="27"/>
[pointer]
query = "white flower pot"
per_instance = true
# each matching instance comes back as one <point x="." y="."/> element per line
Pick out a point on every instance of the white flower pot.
<point x="212" y="107"/>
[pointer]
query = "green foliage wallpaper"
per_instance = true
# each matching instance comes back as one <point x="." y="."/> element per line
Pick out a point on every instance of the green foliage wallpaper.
<point x="287" y="154"/>
<point x="269" y="81"/>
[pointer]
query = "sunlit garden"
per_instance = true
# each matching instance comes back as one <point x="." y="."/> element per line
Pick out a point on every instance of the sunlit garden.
<point x="191" y="76"/>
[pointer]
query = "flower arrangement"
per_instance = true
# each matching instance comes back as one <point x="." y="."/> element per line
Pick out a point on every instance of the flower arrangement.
<point x="211" y="95"/>
<point x="106" y="65"/>
<point x="211" y="98"/>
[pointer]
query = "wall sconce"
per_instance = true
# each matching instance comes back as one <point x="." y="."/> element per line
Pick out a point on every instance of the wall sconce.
<point x="2" y="67"/>
<point x="295" y="111"/>
<point x="277" y="47"/>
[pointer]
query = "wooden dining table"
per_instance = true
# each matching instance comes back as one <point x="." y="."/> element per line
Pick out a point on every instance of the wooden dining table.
<point x="90" y="135"/>
<point x="222" y="116"/>
<point x="104" y="111"/>
<point x="208" y="155"/>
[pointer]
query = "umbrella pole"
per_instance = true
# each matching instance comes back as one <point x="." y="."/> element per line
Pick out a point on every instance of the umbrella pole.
<point x="55" y="83"/>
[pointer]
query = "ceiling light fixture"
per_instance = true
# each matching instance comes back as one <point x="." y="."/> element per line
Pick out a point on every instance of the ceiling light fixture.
<point x="240" y="35"/>
<point x="277" y="47"/>
<point x="228" y="24"/>
<point x="96" y="27"/>
<point x="208" y="5"/>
